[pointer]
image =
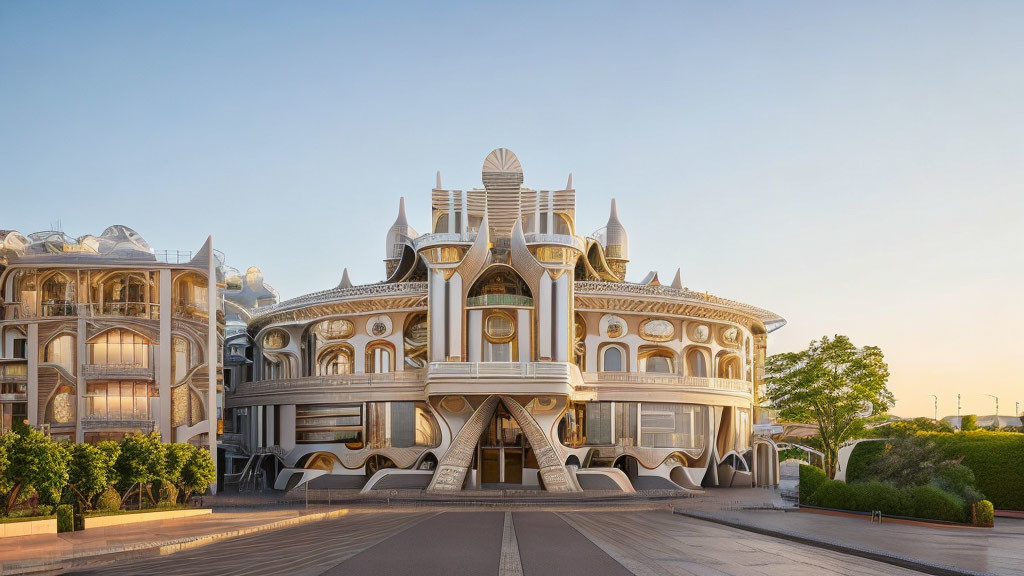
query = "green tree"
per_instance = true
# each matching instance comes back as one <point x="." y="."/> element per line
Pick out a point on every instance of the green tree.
<point x="198" y="472"/>
<point x="831" y="383"/>
<point x="33" y="461"/>
<point x="140" y="462"/>
<point x="111" y="450"/>
<point x="969" y="423"/>
<point x="88" y="470"/>
<point x="177" y="457"/>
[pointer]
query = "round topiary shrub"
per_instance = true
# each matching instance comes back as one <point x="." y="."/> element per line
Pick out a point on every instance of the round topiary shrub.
<point x="109" y="500"/>
<point x="932" y="503"/>
<point x="984" y="514"/>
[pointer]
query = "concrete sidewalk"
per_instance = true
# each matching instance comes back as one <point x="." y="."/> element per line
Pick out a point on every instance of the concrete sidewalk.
<point x="930" y="548"/>
<point x="47" y="553"/>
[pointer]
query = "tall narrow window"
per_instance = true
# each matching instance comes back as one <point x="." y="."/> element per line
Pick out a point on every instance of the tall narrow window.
<point x="612" y="359"/>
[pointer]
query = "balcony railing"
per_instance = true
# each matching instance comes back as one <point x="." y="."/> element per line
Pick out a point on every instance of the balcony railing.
<point x="14" y="372"/>
<point x="428" y="240"/>
<point x="129" y="309"/>
<point x="328" y="382"/>
<point x="499" y="300"/>
<point x="95" y="422"/>
<point x="641" y="378"/>
<point x="500" y="369"/>
<point x="119" y="371"/>
<point x="561" y="239"/>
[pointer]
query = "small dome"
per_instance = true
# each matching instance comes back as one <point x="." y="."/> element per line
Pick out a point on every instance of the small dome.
<point x="502" y="169"/>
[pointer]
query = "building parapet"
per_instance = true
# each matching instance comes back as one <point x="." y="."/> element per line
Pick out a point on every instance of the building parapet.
<point x="249" y="393"/>
<point x="675" y="380"/>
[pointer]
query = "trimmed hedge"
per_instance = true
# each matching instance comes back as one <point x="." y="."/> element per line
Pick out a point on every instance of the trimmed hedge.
<point x="997" y="462"/>
<point x="811" y="478"/>
<point x="924" y="502"/>
<point x="864" y="453"/>
<point x="65" y="518"/>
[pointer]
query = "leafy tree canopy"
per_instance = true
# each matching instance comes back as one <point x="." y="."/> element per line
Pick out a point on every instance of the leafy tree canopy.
<point x="832" y="384"/>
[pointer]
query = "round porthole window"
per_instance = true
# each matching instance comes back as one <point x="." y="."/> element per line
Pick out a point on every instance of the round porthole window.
<point x="499" y="327"/>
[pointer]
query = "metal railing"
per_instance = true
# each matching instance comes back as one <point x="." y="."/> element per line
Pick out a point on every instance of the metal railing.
<point x="94" y="422"/>
<point x="500" y="369"/>
<point x="327" y="382"/>
<point x="499" y="300"/>
<point x="641" y="378"/>
<point x="122" y="370"/>
<point x="127" y="309"/>
<point x="15" y="371"/>
<point x="563" y="239"/>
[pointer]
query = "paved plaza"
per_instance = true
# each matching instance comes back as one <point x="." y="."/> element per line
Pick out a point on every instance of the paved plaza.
<point x="567" y="543"/>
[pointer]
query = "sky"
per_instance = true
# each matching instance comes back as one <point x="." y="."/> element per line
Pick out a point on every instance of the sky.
<point x="856" y="167"/>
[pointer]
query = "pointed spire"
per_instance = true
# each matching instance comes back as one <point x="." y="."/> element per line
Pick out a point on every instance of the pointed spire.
<point x="401" y="221"/>
<point x="677" y="282"/>
<point x="345" y="282"/>
<point x="568" y="185"/>
<point x="438" y="186"/>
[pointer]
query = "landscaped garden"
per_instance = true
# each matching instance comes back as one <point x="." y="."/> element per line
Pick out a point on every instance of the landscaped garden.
<point x="41" y="478"/>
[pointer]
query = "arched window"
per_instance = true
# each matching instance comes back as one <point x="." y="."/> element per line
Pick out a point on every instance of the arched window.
<point x="613" y="359"/>
<point x="58" y="296"/>
<point x="119" y="347"/>
<point x="500" y="285"/>
<point x="190" y="296"/>
<point x="657" y="360"/>
<point x="61" y="351"/>
<point x="729" y="367"/>
<point x="380" y="358"/>
<point x="124" y="294"/>
<point x="333" y="360"/>
<point x="181" y="359"/>
<point x="416" y="335"/>
<point x="696" y="363"/>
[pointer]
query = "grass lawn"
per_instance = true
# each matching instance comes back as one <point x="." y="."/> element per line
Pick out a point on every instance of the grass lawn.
<point x="12" y="520"/>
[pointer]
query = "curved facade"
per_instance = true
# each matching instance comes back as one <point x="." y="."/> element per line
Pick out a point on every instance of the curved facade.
<point x="504" y="348"/>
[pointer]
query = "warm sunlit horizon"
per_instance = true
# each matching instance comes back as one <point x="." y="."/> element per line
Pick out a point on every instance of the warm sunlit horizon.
<point x="856" y="169"/>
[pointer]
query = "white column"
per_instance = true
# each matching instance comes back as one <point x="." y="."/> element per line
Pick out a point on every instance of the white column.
<point x="474" y="330"/>
<point x="437" y="315"/>
<point x="634" y="357"/>
<point x="32" y="352"/>
<point x="536" y="214"/>
<point x="455" y="316"/>
<point x="551" y="213"/>
<point x="287" y="432"/>
<point x="213" y="353"/>
<point x="544" y="318"/>
<point x="524" y="327"/>
<point x="451" y="212"/>
<point x="561" y="310"/>
<point x="163" y="365"/>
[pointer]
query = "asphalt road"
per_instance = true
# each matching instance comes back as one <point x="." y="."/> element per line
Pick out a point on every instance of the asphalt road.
<point x="451" y="543"/>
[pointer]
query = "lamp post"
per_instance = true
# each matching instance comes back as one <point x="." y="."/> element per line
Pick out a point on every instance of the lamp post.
<point x="959" y="422"/>
<point x="997" y="408"/>
<point x="936" y="418"/>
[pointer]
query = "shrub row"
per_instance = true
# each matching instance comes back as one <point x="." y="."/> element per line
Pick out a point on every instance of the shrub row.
<point x="994" y="457"/>
<point x="997" y="459"/>
<point x="926" y="502"/>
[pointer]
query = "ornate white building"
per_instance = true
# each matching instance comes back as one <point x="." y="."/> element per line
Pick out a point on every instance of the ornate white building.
<point x="504" y="348"/>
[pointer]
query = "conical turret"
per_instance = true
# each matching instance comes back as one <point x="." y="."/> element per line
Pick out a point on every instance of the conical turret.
<point x="398" y="235"/>
<point x="616" y="243"/>
<point x="345" y="282"/>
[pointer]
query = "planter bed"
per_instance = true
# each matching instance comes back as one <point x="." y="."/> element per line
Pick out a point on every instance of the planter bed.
<point x="133" y="516"/>
<point x="10" y="527"/>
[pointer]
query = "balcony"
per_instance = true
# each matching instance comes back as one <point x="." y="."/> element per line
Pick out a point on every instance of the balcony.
<point x="444" y="238"/>
<point x="555" y="239"/>
<point x="510" y="300"/>
<point x="405" y="385"/>
<point x="500" y="378"/>
<point x="653" y="380"/>
<point x="127" y="309"/>
<point x="15" y="370"/>
<point x="117" y="372"/>
<point x="91" y="423"/>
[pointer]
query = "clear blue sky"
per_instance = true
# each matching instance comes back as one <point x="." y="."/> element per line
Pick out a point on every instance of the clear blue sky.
<point x="858" y="167"/>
